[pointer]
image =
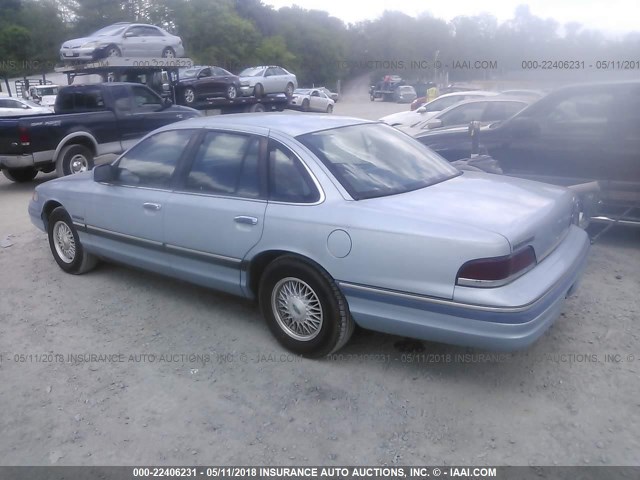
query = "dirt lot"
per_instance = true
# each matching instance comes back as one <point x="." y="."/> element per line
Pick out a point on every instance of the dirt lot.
<point x="195" y="377"/>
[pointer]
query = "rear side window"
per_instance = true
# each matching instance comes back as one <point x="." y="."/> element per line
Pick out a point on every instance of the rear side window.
<point x="497" y="111"/>
<point x="586" y="109"/>
<point x="151" y="163"/>
<point x="288" y="179"/>
<point x="463" y="114"/>
<point x="85" y="100"/>
<point x="226" y="164"/>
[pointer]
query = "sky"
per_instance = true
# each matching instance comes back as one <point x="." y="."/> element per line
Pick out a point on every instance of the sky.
<point x="613" y="17"/>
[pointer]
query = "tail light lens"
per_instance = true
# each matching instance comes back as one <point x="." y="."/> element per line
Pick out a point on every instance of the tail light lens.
<point x="496" y="271"/>
<point x="25" y="138"/>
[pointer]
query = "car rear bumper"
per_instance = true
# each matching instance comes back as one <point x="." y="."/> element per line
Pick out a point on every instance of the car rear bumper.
<point x="78" y="53"/>
<point x="482" y="324"/>
<point x="16" y="161"/>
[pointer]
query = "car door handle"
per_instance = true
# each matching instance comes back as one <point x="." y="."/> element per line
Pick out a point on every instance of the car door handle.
<point x="246" y="220"/>
<point x="152" y="206"/>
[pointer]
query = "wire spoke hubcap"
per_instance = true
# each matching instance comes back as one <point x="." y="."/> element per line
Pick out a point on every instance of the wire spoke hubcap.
<point x="297" y="309"/>
<point x="64" y="242"/>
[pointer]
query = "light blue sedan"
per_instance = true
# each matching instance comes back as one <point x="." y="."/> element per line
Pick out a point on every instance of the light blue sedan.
<point x="328" y="222"/>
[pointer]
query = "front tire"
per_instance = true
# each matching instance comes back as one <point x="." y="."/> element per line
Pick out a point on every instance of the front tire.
<point x="305" y="105"/>
<point x="304" y="308"/>
<point x="74" y="159"/>
<point x="330" y="109"/>
<point x="289" y="90"/>
<point x="65" y="244"/>
<point x="258" y="90"/>
<point x="20" y="175"/>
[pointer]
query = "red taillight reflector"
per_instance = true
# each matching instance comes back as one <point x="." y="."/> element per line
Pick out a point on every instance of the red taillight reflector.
<point x="496" y="271"/>
<point x="24" y="136"/>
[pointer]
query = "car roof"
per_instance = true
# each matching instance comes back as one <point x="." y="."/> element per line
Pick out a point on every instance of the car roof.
<point x="495" y="98"/>
<point x="292" y="124"/>
<point x="469" y="92"/>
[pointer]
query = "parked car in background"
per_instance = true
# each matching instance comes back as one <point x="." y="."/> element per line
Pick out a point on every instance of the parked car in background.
<point x="198" y="83"/>
<point x="124" y="40"/>
<point x="427" y="111"/>
<point x="574" y="135"/>
<point x="89" y="120"/>
<point x="322" y="219"/>
<point x="405" y="94"/>
<point x="311" y="99"/>
<point x="15" y="106"/>
<point x="262" y="80"/>
<point x="487" y="110"/>
<point x="44" y="95"/>
<point x="332" y="95"/>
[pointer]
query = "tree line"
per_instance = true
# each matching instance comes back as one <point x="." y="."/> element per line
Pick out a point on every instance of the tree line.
<point x="317" y="47"/>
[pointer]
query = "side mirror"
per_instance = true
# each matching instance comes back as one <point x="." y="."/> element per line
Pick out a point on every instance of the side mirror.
<point x="104" y="173"/>
<point x="435" y="123"/>
<point x="421" y="110"/>
<point x="25" y="107"/>
<point x="129" y="34"/>
<point x="524" y="128"/>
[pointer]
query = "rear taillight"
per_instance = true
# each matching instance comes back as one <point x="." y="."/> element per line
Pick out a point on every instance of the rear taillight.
<point x="25" y="138"/>
<point x="496" y="271"/>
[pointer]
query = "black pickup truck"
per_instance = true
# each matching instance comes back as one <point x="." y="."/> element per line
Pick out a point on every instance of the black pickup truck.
<point x="574" y="135"/>
<point x="89" y="120"/>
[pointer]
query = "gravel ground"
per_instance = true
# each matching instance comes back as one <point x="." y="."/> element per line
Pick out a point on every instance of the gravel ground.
<point x="194" y="377"/>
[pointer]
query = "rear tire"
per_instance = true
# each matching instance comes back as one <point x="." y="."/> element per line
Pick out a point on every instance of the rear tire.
<point x="189" y="96"/>
<point x="289" y="90"/>
<point x="257" y="108"/>
<point x="232" y="92"/>
<point x="20" y="175"/>
<point x="65" y="244"/>
<point x="74" y="159"/>
<point x="304" y="308"/>
<point x="113" y="51"/>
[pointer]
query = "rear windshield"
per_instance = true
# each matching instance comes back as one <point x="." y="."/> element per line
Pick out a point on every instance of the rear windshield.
<point x="376" y="160"/>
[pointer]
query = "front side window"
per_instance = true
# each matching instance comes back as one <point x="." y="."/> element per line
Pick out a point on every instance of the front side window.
<point x="442" y="103"/>
<point x="151" y="163"/>
<point x="10" y="104"/>
<point x="226" y="164"/>
<point x="288" y="179"/>
<point x="145" y="99"/>
<point x="375" y="160"/>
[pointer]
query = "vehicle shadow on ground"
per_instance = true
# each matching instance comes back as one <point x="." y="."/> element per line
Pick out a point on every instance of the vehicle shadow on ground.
<point x="410" y="357"/>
